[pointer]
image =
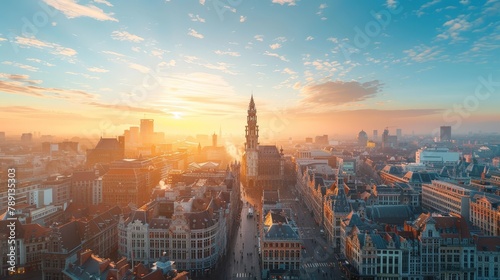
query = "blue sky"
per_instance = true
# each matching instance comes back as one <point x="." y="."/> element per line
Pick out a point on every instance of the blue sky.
<point x="314" y="67"/>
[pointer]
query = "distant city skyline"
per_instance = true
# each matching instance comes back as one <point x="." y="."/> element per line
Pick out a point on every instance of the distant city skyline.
<point x="91" y="68"/>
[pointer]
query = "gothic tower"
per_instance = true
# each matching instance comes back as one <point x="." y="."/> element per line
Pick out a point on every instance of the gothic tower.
<point x="250" y="158"/>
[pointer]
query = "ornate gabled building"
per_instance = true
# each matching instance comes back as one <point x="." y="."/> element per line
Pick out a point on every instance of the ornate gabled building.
<point x="263" y="165"/>
<point x="336" y="207"/>
<point x="280" y="244"/>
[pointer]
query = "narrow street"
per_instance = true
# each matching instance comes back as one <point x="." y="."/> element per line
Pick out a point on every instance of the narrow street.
<point x="243" y="257"/>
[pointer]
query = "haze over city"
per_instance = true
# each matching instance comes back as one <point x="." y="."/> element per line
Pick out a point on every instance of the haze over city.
<point x="335" y="67"/>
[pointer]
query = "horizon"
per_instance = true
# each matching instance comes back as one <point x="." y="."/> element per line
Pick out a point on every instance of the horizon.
<point x="96" y="67"/>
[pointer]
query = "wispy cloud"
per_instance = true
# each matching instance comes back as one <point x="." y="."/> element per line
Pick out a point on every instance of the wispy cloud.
<point x="423" y="53"/>
<point x="309" y="38"/>
<point x="421" y="12"/>
<point x="97" y="69"/>
<point x="275" y="46"/>
<point x="85" y="75"/>
<point x="338" y="93"/>
<point x="125" y="108"/>
<point x="40" y="61"/>
<point x="113" y="53"/>
<point x="243" y="18"/>
<point x="219" y="52"/>
<point x="126" y="36"/>
<point x="195" y="34"/>
<point x="22" y="66"/>
<point x="138" y="67"/>
<point x="56" y="48"/>
<point x="259" y="38"/>
<point x="289" y="71"/>
<point x="391" y="3"/>
<point x="104" y="2"/>
<point x="21" y="84"/>
<point x="454" y="27"/>
<point x="196" y="18"/>
<point x="73" y="10"/>
<point x="283" y="58"/>
<point x="283" y="2"/>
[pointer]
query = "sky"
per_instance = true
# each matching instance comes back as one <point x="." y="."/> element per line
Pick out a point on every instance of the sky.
<point x="314" y="67"/>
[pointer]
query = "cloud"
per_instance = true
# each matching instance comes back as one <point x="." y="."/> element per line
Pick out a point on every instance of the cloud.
<point x="243" y="18"/>
<point x="283" y="58"/>
<point x="423" y="53"/>
<point x="420" y="11"/>
<point x="85" y="75"/>
<point x="289" y="71"/>
<point x="56" y="48"/>
<point x="113" y="53"/>
<point x="198" y="93"/>
<point x="73" y="10"/>
<point x="391" y="4"/>
<point x="104" y="2"/>
<point x="40" y="61"/>
<point x="275" y="46"/>
<point x="22" y="66"/>
<point x="158" y="52"/>
<point x="21" y="84"/>
<point x="202" y="2"/>
<point x="259" y="38"/>
<point x="196" y="18"/>
<point x="195" y="34"/>
<point x="454" y="27"/>
<point x="138" y="67"/>
<point x="283" y="2"/>
<point x="219" y="52"/>
<point x="170" y="63"/>
<point x="2" y="39"/>
<point x="97" y="69"/>
<point x="309" y="38"/>
<point x="125" y="36"/>
<point x="338" y="93"/>
<point x="125" y="108"/>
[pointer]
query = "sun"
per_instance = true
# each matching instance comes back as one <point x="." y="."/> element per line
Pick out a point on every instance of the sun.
<point x="177" y="115"/>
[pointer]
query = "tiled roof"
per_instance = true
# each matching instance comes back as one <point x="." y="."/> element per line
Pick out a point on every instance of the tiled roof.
<point x="71" y="235"/>
<point x="488" y="243"/>
<point x="34" y="231"/>
<point x="268" y="151"/>
<point x="199" y="220"/>
<point x="108" y="144"/>
<point x="281" y="231"/>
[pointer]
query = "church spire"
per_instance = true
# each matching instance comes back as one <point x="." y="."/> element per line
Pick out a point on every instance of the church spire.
<point x="251" y="129"/>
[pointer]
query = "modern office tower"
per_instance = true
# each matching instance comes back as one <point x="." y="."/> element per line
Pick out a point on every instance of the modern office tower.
<point x="147" y="131"/>
<point x="135" y="137"/>
<point x="445" y="133"/>
<point x="399" y="133"/>
<point x="375" y="135"/>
